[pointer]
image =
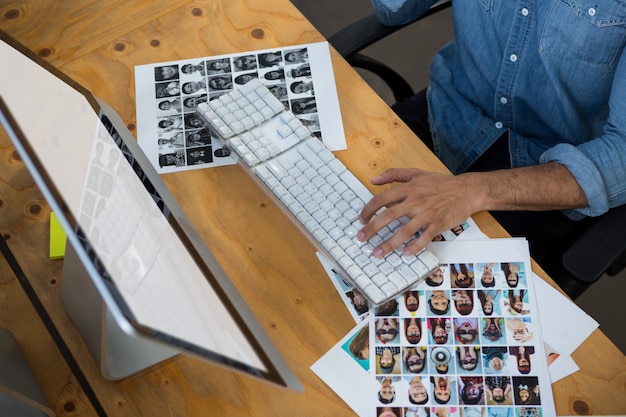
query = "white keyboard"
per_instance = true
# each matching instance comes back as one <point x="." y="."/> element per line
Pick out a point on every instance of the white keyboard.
<point x="312" y="185"/>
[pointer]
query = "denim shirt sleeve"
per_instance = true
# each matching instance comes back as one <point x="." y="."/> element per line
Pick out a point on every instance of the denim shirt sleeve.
<point x="587" y="175"/>
<point x="599" y="165"/>
<point x="400" y="12"/>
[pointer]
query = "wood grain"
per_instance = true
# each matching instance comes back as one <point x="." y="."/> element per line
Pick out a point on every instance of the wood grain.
<point x="272" y="265"/>
<point x="23" y="212"/>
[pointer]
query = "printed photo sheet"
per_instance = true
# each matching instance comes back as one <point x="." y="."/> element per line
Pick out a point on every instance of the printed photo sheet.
<point x="174" y="138"/>
<point x="467" y="342"/>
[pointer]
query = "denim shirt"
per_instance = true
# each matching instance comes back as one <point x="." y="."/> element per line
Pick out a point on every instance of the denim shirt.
<point x="553" y="75"/>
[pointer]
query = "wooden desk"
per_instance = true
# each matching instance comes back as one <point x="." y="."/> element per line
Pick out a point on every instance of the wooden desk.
<point x="98" y="44"/>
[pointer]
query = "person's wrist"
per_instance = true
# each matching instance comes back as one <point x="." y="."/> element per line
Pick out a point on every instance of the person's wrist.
<point x="476" y="191"/>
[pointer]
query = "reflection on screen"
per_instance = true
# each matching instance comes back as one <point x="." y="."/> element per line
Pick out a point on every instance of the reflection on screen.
<point x="152" y="269"/>
<point x="121" y="220"/>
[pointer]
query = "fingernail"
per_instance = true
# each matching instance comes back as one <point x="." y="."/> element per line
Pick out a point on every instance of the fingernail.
<point x="406" y="252"/>
<point x="378" y="253"/>
<point x="360" y="237"/>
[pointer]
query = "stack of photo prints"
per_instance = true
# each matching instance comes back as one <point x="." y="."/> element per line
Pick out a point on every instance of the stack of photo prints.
<point x="168" y="93"/>
<point x="466" y="342"/>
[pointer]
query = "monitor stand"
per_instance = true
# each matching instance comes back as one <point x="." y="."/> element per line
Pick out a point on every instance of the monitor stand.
<point x="119" y="354"/>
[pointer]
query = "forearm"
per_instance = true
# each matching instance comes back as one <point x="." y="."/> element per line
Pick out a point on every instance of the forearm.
<point x="541" y="187"/>
<point x="434" y="202"/>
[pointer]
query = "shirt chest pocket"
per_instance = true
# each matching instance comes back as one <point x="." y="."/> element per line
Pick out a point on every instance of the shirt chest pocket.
<point x="589" y="31"/>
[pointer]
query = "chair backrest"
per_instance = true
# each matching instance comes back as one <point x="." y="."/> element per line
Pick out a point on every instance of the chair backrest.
<point x="357" y="36"/>
<point x="601" y="249"/>
<point x="352" y="39"/>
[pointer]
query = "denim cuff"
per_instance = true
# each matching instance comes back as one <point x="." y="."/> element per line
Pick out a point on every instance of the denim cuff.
<point x="587" y="175"/>
<point x="397" y="12"/>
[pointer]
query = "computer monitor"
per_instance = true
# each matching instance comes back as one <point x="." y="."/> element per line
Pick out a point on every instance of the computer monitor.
<point x="138" y="280"/>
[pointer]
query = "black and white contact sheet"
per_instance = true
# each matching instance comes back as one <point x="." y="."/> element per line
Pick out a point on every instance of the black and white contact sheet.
<point x="175" y="139"/>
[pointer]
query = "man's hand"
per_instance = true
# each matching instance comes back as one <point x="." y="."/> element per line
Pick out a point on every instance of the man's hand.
<point x="432" y="202"/>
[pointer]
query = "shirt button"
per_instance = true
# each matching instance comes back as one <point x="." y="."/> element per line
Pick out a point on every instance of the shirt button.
<point x="503" y="100"/>
<point x="513" y="57"/>
<point x="592" y="12"/>
<point x="499" y="125"/>
<point x="525" y="11"/>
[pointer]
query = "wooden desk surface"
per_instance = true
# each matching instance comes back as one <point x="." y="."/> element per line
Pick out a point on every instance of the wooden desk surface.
<point x="98" y="44"/>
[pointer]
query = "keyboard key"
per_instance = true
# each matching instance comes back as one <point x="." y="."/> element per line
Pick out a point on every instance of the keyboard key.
<point x="397" y="280"/>
<point x="375" y="294"/>
<point x="379" y="279"/>
<point x="284" y="131"/>
<point x="389" y="289"/>
<point x="419" y="268"/>
<point x="429" y="260"/>
<point x="362" y="281"/>
<point x="262" y="154"/>
<point x="302" y="132"/>
<point x="311" y="158"/>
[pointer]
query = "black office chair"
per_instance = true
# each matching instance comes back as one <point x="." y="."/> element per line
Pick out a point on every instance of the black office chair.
<point x="600" y="250"/>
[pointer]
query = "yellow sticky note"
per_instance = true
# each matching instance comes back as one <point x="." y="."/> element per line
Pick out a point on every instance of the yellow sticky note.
<point x="57" y="238"/>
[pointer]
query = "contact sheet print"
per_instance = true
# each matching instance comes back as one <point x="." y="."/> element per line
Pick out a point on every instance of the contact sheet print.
<point x="168" y="93"/>
<point x="466" y="342"/>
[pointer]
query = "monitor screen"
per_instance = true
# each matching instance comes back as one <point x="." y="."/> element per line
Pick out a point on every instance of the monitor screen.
<point x="150" y="266"/>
